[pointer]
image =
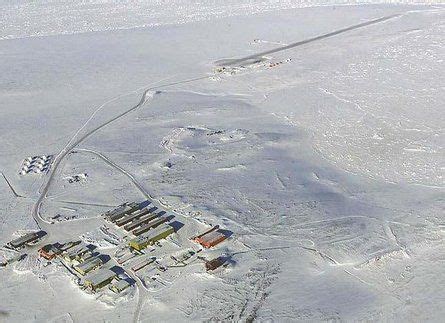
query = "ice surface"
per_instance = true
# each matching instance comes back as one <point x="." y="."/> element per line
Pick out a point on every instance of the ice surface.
<point x="325" y="161"/>
<point x="44" y="17"/>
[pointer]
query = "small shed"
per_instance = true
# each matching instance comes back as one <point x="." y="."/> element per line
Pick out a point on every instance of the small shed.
<point x="214" y="263"/>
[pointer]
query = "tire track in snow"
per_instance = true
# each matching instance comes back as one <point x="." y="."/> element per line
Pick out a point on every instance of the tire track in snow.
<point x="43" y="224"/>
<point x="10" y="186"/>
<point x="102" y="106"/>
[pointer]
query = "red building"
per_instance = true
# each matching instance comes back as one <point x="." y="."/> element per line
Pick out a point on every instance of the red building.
<point x="49" y="251"/>
<point x="211" y="238"/>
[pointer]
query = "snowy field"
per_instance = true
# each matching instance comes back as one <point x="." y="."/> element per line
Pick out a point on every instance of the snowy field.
<point x="312" y="130"/>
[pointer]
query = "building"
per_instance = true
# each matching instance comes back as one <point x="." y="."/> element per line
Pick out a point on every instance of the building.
<point x="142" y="264"/>
<point x="27" y="238"/>
<point x="131" y="217"/>
<point x="82" y="257"/>
<point x="125" y="258"/>
<point x="49" y="251"/>
<point x="120" y="211"/>
<point x="21" y="241"/>
<point x="79" y="254"/>
<point x="88" y="265"/>
<point x="150" y="225"/>
<point x="16" y="258"/>
<point x="214" y="263"/>
<point x="151" y="237"/>
<point x="99" y="279"/>
<point x="69" y="245"/>
<point x="141" y="221"/>
<point x="211" y="238"/>
<point x="120" y="286"/>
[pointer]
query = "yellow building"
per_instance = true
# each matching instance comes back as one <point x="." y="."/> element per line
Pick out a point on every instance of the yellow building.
<point x="99" y="279"/>
<point x="151" y="237"/>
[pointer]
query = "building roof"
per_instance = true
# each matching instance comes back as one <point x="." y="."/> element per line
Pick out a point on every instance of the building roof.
<point x="50" y="249"/>
<point x="100" y="276"/>
<point x="132" y="216"/>
<point x="24" y="239"/>
<point x="90" y="263"/>
<point x="152" y="224"/>
<point x="140" y="221"/>
<point x="121" y="284"/>
<point x="121" y="210"/>
<point x="211" y="236"/>
<point x="79" y="250"/>
<point x="153" y="233"/>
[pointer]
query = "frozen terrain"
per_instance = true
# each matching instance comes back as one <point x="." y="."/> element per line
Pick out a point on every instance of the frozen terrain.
<point x="313" y="132"/>
<point x="45" y="17"/>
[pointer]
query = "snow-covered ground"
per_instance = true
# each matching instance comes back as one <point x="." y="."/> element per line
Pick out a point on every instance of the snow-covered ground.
<point x="46" y="17"/>
<point x="325" y="160"/>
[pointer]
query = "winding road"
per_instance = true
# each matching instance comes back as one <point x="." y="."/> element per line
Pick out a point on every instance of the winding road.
<point x="42" y="223"/>
<point x="46" y="225"/>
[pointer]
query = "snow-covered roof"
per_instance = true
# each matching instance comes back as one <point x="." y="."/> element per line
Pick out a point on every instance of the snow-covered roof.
<point x="100" y="276"/>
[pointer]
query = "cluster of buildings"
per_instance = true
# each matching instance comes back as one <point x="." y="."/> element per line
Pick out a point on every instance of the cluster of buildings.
<point x="36" y="164"/>
<point x="50" y="251"/>
<point x="144" y="224"/>
<point x="87" y="265"/>
<point x="147" y="224"/>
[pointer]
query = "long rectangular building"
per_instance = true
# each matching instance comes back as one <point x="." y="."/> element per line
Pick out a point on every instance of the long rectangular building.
<point x="147" y="218"/>
<point x="21" y="241"/>
<point x="121" y="210"/>
<point x="142" y="264"/>
<point x="150" y="225"/>
<point x="151" y="237"/>
<point x="134" y="216"/>
<point x="211" y="238"/>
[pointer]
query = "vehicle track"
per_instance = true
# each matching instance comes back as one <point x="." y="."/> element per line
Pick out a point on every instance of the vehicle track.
<point x="10" y="186"/>
<point x="123" y="171"/>
<point x="43" y="224"/>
